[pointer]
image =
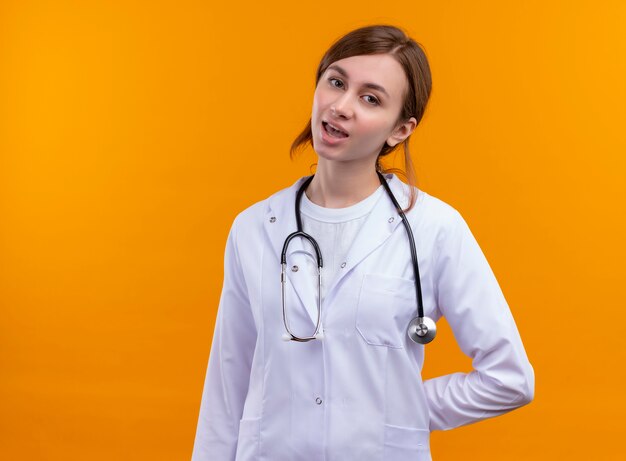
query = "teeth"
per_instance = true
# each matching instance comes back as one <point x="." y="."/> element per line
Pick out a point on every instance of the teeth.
<point x="335" y="130"/>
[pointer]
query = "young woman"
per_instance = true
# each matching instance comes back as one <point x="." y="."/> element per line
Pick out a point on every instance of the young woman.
<point x="304" y="367"/>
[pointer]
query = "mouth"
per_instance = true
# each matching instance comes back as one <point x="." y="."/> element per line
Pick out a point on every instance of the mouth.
<point x="333" y="131"/>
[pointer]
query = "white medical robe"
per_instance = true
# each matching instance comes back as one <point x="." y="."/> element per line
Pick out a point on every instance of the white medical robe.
<point x="358" y="393"/>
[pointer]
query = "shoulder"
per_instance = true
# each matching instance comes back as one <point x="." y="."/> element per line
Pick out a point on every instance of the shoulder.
<point x="251" y="215"/>
<point x="429" y="212"/>
<point x="438" y="222"/>
<point x="449" y="229"/>
<point x="437" y="211"/>
<point x="435" y="221"/>
<point x="254" y="215"/>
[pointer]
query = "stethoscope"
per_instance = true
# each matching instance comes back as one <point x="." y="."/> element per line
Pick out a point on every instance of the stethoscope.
<point x="421" y="329"/>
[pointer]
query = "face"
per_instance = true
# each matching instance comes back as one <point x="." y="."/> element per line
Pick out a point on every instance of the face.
<point x="361" y="96"/>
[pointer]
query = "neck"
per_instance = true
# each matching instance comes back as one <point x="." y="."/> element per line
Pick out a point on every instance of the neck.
<point x="337" y="185"/>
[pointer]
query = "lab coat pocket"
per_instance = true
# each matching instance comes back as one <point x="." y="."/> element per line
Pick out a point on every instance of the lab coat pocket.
<point x="384" y="309"/>
<point x="406" y="443"/>
<point x="248" y="442"/>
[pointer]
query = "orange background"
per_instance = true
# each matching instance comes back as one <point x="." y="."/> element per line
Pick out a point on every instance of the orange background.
<point x="132" y="133"/>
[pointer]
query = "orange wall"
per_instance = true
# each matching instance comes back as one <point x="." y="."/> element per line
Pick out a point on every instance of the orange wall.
<point x="131" y="134"/>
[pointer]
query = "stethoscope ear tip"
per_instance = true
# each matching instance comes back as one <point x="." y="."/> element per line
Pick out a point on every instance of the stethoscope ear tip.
<point x="319" y="335"/>
<point x="286" y="337"/>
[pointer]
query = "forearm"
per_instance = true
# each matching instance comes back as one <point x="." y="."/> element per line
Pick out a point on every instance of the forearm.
<point x="469" y="296"/>
<point x="217" y="430"/>
<point x="458" y="399"/>
<point x="228" y="372"/>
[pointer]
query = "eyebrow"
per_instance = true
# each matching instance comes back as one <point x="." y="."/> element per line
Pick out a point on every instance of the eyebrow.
<point x="373" y="86"/>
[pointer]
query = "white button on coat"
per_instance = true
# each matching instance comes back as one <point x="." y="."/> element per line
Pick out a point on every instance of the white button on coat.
<point x="257" y="399"/>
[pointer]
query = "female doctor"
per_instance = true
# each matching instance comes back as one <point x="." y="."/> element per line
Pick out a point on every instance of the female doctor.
<point x="310" y="367"/>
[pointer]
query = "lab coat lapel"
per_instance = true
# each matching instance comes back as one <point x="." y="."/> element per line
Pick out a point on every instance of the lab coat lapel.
<point x="379" y="225"/>
<point x="279" y="222"/>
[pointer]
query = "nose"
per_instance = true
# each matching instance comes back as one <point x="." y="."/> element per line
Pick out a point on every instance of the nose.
<point x="342" y="106"/>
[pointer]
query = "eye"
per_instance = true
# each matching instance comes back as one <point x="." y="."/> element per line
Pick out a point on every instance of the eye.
<point x="373" y="101"/>
<point x="337" y="83"/>
<point x="333" y="79"/>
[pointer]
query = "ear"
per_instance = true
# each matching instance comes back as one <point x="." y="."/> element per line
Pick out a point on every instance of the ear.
<point x="401" y="132"/>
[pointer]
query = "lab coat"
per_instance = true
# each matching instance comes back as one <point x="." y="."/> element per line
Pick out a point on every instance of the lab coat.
<point x="358" y="393"/>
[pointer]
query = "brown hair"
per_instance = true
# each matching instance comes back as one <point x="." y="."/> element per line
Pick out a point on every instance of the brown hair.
<point x="379" y="39"/>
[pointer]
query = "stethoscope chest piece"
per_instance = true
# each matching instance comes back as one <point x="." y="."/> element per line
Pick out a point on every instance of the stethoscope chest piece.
<point x="422" y="330"/>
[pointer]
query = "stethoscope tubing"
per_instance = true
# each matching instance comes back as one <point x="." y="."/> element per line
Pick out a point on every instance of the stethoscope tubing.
<point x="407" y="226"/>
<point x="421" y="329"/>
<point x="283" y="281"/>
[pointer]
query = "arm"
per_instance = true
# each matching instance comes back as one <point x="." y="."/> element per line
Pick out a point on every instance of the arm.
<point x="228" y="372"/>
<point x="470" y="298"/>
